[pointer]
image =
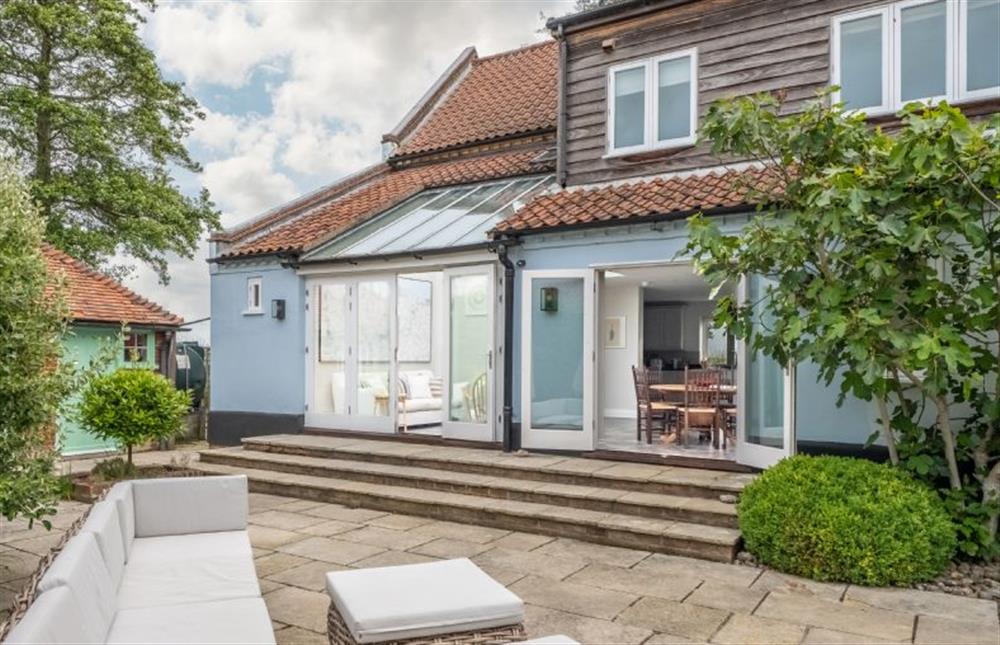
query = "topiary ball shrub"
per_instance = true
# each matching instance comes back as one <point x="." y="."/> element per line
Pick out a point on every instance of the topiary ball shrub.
<point x="846" y="520"/>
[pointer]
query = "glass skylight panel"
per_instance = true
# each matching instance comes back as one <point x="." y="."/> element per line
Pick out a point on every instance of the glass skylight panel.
<point x="437" y="219"/>
<point x="379" y="239"/>
<point x="380" y="223"/>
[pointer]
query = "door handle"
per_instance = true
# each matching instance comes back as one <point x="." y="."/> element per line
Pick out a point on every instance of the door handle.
<point x="489" y="359"/>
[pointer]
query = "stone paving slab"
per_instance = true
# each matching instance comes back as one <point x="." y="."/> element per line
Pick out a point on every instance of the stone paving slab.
<point x="593" y="594"/>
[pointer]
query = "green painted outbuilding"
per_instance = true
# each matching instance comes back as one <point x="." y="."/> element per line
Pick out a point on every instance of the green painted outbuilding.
<point x="108" y="317"/>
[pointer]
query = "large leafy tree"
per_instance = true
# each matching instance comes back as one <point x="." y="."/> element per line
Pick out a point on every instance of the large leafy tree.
<point x="33" y="381"/>
<point x="84" y="108"/>
<point x="883" y="253"/>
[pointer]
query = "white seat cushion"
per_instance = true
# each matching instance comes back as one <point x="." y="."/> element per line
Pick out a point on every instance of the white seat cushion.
<point x="121" y="496"/>
<point x="243" y="620"/>
<point x="422" y="405"/>
<point x="196" y="568"/>
<point x="81" y="569"/>
<point x="54" y="617"/>
<point x="103" y="523"/>
<point x="397" y="603"/>
<point x="179" y="505"/>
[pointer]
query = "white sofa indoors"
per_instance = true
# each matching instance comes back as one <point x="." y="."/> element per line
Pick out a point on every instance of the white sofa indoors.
<point x="422" y="397"/>
<point x="158" y="561"/>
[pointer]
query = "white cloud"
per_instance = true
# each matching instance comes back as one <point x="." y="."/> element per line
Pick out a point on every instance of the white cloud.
<point x="338" y="74"/>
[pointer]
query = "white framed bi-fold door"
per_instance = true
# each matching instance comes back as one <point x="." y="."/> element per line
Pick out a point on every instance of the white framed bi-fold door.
<point x="557" y="359"/>
<point x="351" y="372"/>
<point x="470" y="353"/>
<point x="765" y="426"/>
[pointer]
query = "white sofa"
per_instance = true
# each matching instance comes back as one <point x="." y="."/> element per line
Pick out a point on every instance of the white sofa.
<point x="422" y="397"/>
<point x="158" y="561"/>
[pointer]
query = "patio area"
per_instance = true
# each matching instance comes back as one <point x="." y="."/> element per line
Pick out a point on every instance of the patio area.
<point x="597" y="594"/>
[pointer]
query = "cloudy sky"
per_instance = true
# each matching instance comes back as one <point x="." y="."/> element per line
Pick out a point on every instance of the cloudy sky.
<point x="298" y="93"/>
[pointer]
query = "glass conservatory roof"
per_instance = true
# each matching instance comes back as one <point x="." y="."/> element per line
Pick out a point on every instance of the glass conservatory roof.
<point x="439" y="218"/>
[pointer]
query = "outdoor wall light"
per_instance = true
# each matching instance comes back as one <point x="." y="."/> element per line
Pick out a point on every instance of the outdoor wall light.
<point x="278" y="309"/>
<point x="549" y="299"/>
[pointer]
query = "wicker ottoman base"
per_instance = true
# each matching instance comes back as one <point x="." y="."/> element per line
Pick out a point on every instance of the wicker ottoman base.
<point x="340" y="635"/>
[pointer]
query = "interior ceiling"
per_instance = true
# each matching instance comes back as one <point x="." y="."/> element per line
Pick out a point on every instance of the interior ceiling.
<point x="669" y="282"/>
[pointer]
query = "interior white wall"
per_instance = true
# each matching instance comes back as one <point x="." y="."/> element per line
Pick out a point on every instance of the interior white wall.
<point x="616" y="389"/>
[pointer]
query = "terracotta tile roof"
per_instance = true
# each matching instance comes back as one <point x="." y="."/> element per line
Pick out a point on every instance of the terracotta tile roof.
<point x="507" y="94"/>
<point x="383" y="191"/>
<point x="93" y="296"/>
<point x="659" y="196"/>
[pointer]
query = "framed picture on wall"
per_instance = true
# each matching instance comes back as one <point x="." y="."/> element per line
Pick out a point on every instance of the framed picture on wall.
<point x="614" y="332"/>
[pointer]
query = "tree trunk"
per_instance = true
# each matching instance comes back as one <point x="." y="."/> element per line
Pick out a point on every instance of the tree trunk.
<point x="991" y="493"/>
<point x="129" y="448"/>
<point x="43" y="120"/>
<point x="887" y="435"/>
<point x="944" y="427"/>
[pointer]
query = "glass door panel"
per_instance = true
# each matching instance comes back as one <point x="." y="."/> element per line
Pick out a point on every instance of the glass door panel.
<point x="375" y="348"/>
<point x="350" y="341"/>
<point x="557" y="360"/>
<point x="765" y="392"/>
<point x="470" y="382"/>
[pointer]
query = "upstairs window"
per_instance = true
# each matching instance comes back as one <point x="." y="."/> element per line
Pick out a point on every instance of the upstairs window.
<point x="254" y="297"/>
<point x="916" y="50"/>
<point x="653" y="103"/>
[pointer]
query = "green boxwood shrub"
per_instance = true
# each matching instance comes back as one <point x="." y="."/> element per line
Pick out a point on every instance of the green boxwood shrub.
<point x="846" y="520"/>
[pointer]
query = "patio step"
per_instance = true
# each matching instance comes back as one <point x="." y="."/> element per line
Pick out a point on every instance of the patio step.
<point x="590" y="497"/>
<point x="615" y="529"/>
<point x="555" y="469"/>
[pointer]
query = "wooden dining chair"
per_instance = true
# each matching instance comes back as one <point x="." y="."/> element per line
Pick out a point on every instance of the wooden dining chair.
<point x="701" y="409"/>
<point x="649" y="412"/>
<point x="727" y="405"/>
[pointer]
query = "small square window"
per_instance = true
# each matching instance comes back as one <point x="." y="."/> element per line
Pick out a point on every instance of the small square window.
<point x="255" y="298"/>
<point x="136" y="349"/>
<point x="979" y="49"/>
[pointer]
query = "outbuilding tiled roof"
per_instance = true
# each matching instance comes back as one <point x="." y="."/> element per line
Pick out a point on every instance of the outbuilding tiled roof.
<point x="327" y="220"/>
<point x="661" y="196"/>
<point x="503" y="95"/>
<point x="95" y="297"/>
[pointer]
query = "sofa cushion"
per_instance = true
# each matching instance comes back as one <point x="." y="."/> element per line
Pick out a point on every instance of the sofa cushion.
<point x="181" y="505"/>
<point x="103" y="523"/>
<point x="398" y="603"/>
<point x="54" y="617"/>
<point x="243" y="620"/>
<point x="121" y="495"/>
<point x="81" y="569"/>
<point x="177" y="569"/>
<point x="421" y="405"/>
<point x="418" y="384"/>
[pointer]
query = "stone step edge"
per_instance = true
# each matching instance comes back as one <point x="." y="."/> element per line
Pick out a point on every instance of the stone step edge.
<point x="612" y="529"/>
<point x="686" y="489"/>
<point x="722" y="515"/>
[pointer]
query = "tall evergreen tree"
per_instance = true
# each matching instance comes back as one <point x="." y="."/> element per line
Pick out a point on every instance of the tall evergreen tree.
<point x="97" y="129"/>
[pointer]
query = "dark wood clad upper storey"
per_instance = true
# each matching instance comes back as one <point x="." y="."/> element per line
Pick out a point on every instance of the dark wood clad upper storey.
<point x="743" y="47"/>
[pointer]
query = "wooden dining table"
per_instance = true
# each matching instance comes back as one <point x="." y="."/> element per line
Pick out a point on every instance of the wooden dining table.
<point x="679" y="387"/>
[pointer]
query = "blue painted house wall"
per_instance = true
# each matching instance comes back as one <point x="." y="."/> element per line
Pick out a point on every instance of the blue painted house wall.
<point x="819" y="422"/>
<point x="257" y="360"/>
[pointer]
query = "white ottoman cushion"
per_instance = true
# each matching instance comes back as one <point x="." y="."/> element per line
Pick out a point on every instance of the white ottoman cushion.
<point x="54" y="617"/>
<point x="81" y="569"/>
<point x="398" y="603"/>
<point x="175" y="506"/>
<point x="103" y="523"/>
<point x="196" y="568"/>
<point x="225" y="621"/>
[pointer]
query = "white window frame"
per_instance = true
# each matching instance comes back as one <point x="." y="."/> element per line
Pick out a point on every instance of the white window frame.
<point x="963" y="60"/>
<point x="651" y="126"/>
<point x="835" y="79"/>
<point x="258" y="309"/>
<point x="612" y="73"/>
<point x="897" y="58"/>
<point x="692" y="56"/>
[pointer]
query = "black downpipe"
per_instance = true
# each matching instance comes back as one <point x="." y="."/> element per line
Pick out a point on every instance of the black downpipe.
<point x="510" y="441"/>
